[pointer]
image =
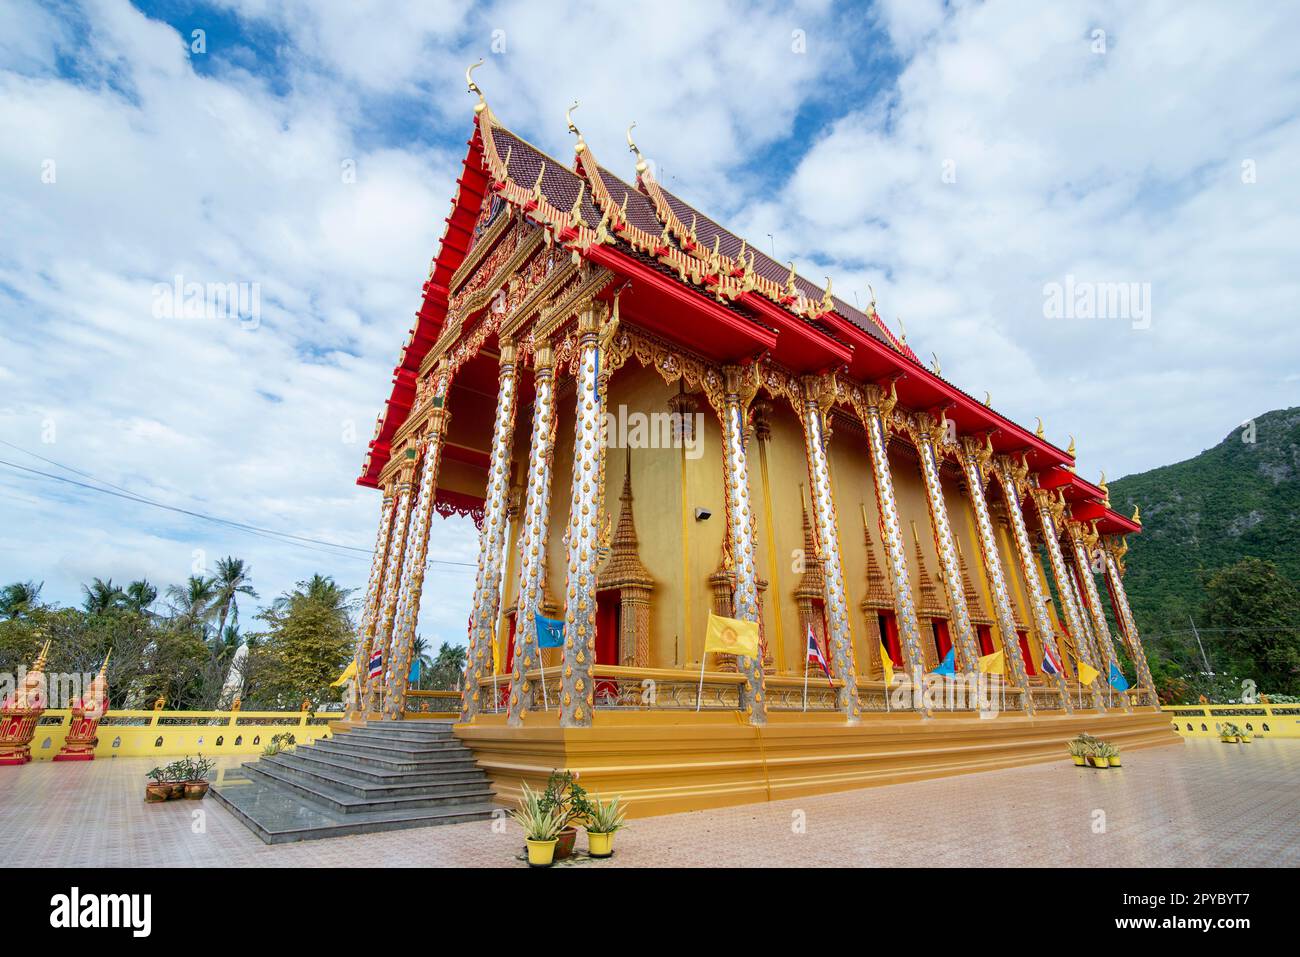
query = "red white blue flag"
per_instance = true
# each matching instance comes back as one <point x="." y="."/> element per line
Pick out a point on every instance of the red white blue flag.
<point x="1050" y="662"/>
<point x="376" y="663"/>
<point x="815" y="653"/>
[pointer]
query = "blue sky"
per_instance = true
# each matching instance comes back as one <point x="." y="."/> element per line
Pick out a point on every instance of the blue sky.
<point x="958" y="157"/>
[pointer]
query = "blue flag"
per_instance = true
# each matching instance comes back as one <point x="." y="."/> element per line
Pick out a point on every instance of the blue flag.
<point x="1117" y="679"/>
<point x="550" y="632"/>
<point x="415" y="671"/>
<point x="947" y="666"/>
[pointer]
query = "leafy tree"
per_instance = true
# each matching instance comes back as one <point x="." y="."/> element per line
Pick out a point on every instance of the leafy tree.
<point x="192" y="600"/>
<point x="1254" y="615"/>
<point x="308" y="641"/>
<point x="19" y="599"/>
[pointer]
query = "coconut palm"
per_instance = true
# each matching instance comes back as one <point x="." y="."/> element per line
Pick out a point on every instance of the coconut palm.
<point x="140" y="595"/>
<point x="19" y="599"/>
<point x="190" y="602"/>
<point x="231" y="581"/>
<point x="102" y="596"/>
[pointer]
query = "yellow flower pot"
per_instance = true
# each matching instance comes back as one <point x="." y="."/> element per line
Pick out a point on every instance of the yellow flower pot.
<point x="600" y="845"/>
<point x="1079" y="760"/>
<point x="1244" y="739"/>
<point x="1114" y="762"/>
<point x="541" y="853"/>
<point x="1100" y="762"/>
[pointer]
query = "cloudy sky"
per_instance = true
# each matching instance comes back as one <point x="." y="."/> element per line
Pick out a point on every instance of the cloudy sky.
<point x="964" y="159"/>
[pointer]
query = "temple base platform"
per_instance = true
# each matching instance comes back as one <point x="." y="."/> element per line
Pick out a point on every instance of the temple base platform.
<point x="664" y="762"/>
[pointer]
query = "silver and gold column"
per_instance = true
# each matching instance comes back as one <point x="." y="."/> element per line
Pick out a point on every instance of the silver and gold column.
<point x="1124" y="615"/>
<point x="1084" y="543"/>
<point x="487" y="586"/>
<point x="532" y="536"/>
<point x="1050" y="510"/>
<point x="732" y="401"/>
<point x="1013" y="478"/>
<point x="975" y="460"/>
<point x="874" y="408"/>
<point x="818" y="394"/>
<point x="927" y="432"/>
<point x="387" y="609"/>
<point x="577" y="694"/>
<point x="397" y="667"/>
<point x="369" y="611"/>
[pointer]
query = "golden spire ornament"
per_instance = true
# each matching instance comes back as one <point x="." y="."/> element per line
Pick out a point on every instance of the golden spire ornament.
<point x="641" y="164"/>
<point x="1040" y="431"/>
<point x="580" y="146"/>
<point x="472" y="87"/>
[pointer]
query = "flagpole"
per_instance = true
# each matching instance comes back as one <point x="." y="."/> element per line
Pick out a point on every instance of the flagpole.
<point x="805" y="680"/>
<point x="700" y="691"/>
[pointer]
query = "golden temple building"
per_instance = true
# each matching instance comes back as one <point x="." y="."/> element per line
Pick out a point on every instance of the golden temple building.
<point x="652" y="421"/>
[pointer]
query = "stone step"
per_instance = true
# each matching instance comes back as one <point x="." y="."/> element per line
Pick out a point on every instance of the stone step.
<point x="336" y="799"/>
<point x="407" y="750"/>
<point x="390" y="762"/>
<point x="395" y="735"/>
<point x="400" y="785"/>
<point x="430" y="771"/>
<point x="278" y="815"/>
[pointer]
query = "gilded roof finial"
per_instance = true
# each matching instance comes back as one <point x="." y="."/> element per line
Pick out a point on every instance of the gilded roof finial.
<point x="828" y="303"/>
<point x="472" y="87"/>
<point x="988" y="399"/>
<point x="789" y="282"/>
<point x="1040" y="431"/>
<point x="1105" y="490"/>
<point x="581" y="145"/>
<point x="103" y="669"/>
<point x="39" y="664"/>
<point x="1070" y="450"/>
<point x="1137" y="515"/>
<point x="641" y="164"/>
<point x="935" y="367"/>
<point x="871" y="307"/>
<point x="575" y="214"/>
<point x="537" y="186"/>
<point x="902" y="329"/>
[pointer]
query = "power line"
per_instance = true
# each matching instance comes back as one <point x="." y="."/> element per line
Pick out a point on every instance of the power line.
<point x="284" y="537"/>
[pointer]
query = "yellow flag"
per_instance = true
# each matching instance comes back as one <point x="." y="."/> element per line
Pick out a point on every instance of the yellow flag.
<point x="1087" y="673"/>
<point x="348" y="672"/>
<point x="994" y="664"/>
<point x="496" y="654"/>
<point x="887" y="664"/>
<point x="732" y="636"/>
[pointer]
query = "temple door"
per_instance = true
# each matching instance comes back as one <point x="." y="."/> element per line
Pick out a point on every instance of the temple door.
<point x="985" y="635"/>
<point x="608" y="620"/>
<point x="1025" y="652"/>
<point x="889" y="629"/>
<point x="942" y="640"/>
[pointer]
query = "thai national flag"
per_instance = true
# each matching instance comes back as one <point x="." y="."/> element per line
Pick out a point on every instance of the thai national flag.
<point x="1050" y="663"/>
<point x="815" y="653"/>
<point x="376" y="663"/>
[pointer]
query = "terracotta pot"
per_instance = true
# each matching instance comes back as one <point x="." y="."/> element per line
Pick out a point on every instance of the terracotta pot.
<point x="177" y="790"/>
<point x="196" y="790"/>
<point x="541" y="853"/>
<point x="157" y="793"/>
<point x="564" y="843"/>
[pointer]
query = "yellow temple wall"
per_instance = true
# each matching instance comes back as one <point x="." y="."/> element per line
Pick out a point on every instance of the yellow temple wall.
<point x="854" y="488"/>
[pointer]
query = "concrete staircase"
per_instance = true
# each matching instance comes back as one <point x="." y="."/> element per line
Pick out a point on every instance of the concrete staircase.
<point x="381" y="776"/>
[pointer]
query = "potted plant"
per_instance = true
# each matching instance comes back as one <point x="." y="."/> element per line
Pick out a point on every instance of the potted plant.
<point x="158" y="789"/>
<point x="177" y="773"/>
<point x="566" y="797"/>
<point x="196" y="783"/>
<point x="1229" y="733"/>
<point x="1107" y="753"/>
<point x="1079" y="750"/>
<point x="540" y="824"/>
<point x="605" y="818"/>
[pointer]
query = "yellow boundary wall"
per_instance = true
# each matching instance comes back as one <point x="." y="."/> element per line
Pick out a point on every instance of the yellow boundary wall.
<point x="168" y="734"/>
<point x="1259" y="720"/>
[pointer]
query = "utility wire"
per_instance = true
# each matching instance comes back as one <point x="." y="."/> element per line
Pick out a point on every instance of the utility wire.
<point x="274" y="535"/>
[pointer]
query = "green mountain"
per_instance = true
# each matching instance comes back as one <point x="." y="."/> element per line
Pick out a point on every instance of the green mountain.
<point x="1239" y="499"/>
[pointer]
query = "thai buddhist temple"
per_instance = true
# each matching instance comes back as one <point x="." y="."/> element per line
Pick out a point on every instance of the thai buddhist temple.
<point x="650" y="421"/>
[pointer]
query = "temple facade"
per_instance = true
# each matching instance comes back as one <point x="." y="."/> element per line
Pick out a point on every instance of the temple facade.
<point x="649" y="421"/>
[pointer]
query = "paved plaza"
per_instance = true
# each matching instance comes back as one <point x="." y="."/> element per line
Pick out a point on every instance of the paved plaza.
<point x="1203" y="804"/>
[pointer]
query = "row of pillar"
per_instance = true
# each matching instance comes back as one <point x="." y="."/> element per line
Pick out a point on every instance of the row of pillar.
<point x="393" y="593"/>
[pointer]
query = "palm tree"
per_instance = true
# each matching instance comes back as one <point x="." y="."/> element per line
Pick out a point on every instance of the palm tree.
<point x="19" y="599"/>
<point x="419" y="652"/>
<point x="231" y="580"/>
<point x="320" y="590"/>
<point x="140" y="595"/>
<point x="190" y="602"/>
<point x="450" y="664"/>
<point x="102" y="596"/>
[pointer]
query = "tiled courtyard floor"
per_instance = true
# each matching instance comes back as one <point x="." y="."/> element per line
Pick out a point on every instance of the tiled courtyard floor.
<point x="1201" y="805"/>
